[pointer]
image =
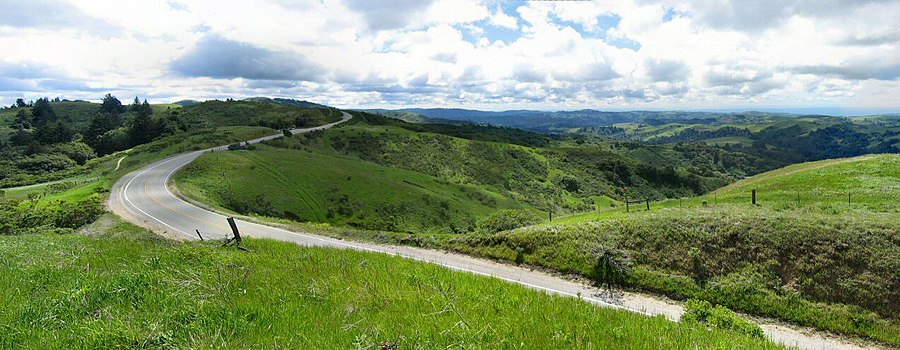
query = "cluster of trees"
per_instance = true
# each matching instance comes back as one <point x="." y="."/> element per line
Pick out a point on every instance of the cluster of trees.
<point x="109" y="132"/>
<point x="44" y="142"/>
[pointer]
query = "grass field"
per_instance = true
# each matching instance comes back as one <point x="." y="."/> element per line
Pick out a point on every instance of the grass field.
<point x="114" y="285"/>
<point x="827" y="265"/>
<point x="388" y="177"/>
<point x="871" y="181"/>
<point x="309" y="186"/>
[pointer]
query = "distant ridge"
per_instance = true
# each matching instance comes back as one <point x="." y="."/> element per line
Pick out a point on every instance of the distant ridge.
<point x="185" y="103"/>
<point x="288" y="102"/>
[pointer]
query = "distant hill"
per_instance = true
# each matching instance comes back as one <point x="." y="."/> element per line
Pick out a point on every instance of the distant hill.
<point x="412" y="117"/>
<point x="185" y="103"/>
<point x="871" y="179"/>
<point x="780" y="137"/>
<point x="562" y="121"/>
<point x="288" y="102"/>
<point x="257" y="112"/>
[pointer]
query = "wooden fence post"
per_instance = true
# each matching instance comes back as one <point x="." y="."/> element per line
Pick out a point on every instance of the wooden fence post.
<point x="236" y="239"/>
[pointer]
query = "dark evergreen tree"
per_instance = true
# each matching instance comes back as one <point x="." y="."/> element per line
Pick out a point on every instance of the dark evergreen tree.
<point x="55" y="132"/>
<point x="23" y="120"/>
<point x="142" y="127"/>
<point x="136" y="105"/>
<point x="102" y="123"/>
<point x="21" y="138"/>
<point x="42" y="113"/>
<point x="112" y="105"/>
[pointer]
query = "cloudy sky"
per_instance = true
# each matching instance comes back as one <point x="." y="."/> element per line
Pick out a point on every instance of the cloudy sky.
<point x="629" y="54"/>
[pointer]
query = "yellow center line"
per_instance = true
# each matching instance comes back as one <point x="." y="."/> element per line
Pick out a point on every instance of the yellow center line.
<point x="147" y="192"/>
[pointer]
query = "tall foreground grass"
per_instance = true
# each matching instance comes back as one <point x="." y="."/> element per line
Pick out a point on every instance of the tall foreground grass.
<point x="118" y="286"/>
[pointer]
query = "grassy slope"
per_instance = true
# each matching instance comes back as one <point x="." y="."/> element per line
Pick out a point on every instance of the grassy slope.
<point x="824" y="265"/>
<point x="496" y="175"/>
<point x="341" y="190"/>
<point x="818" y="249"/>
<point x="234" y="113"/>
<point x="872" y="180"/>
<point x="117" y="286"/>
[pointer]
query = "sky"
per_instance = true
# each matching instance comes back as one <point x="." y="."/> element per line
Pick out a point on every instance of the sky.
<point x="836" y="55"/>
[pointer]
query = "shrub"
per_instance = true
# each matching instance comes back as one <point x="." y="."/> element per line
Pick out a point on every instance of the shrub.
<point x="46" y="163"/>
<point x="16" y="219"/>
<point x="718" y="317"/>
<point x="504" y="220"/>
<point x="612" y="267"/>
<point x="77" y="151"/>
<point x="75" y="215"/>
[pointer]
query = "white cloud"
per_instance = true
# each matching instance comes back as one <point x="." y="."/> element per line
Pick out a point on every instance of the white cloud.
<point x="501" y="19"/>
<point x="694" y="54"/>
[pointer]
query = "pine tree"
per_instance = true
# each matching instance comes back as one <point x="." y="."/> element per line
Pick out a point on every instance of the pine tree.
<point x="112" y="105"/>
<point x="142" y="125"/>
<point x="101" y="124"/>
<point x="21" y="138"/>
<point x="55" y="132"/>
<point x="42" y="113"/>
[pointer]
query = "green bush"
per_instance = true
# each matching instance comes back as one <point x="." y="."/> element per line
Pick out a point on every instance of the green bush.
<point x="612" y="267"/>
<point x="77" y="151"/>
<point x="718" y="317"/>
<point x="46" y="163"/>
<point x="504" y="220"/>
<point x="18" y="219"/>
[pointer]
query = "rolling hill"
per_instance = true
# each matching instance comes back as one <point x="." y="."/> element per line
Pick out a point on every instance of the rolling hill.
<point x="872" y="181"/>
<point x="767" y="260"/>
<point x="409" y="177"/>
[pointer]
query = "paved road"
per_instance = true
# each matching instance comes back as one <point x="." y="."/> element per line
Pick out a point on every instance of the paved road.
<point x="144" y="198"/>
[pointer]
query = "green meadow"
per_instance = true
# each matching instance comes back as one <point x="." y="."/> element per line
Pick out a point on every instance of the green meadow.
<point x="114" y="285"/>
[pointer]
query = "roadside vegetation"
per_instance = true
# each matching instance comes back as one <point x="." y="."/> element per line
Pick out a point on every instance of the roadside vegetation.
<point x="113" y="285"/>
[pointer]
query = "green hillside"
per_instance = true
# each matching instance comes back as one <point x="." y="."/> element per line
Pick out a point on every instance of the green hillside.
<point x="825" y="265"/>
<point x="113" y="285"/>
<point x="251" y="113"/>
<point x="872" y="181"/>
<point x="306" y="186"/>
<point x="818" y="261"/>
<point x="407" y="177"/>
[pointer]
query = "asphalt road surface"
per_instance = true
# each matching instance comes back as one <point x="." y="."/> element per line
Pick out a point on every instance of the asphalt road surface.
<point x="144" y="198"/>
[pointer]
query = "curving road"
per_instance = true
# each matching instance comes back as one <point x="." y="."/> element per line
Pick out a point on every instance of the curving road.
<point x="144" y="198"/>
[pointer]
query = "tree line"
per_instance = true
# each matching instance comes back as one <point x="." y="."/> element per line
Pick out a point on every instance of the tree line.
<point x="43" y="141"/>
<point x="109" y="130"/>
